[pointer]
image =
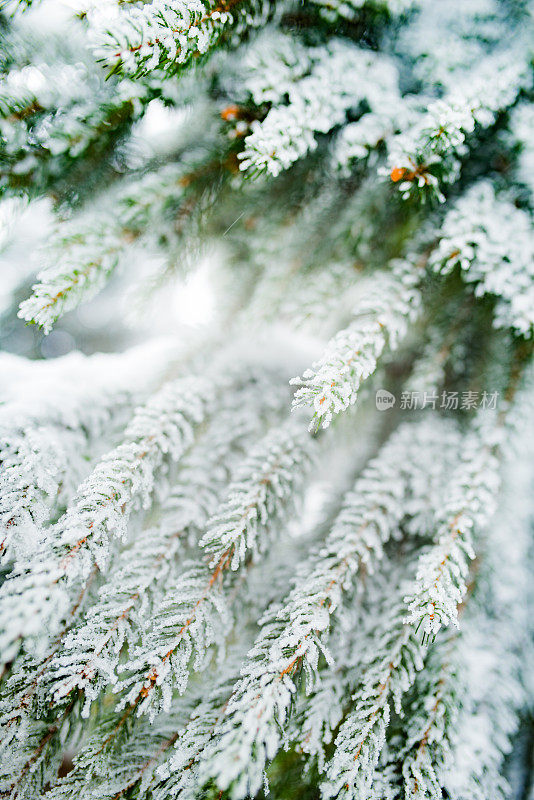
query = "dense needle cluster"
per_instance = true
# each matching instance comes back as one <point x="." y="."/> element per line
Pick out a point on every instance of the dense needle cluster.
<point x="286" y="553"/>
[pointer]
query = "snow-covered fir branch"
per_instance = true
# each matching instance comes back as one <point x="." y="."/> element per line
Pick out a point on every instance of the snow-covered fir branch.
<point x="124" y="479"/>
<point x="108" y="772"/>
<point x="196" y="614"/>
<point x="427" y="157"/>
<point x="84" y="252"/>
<point x="137" y="583"/>
<point x="359" y="141"/>
<point x="466" y="700"/>
<point x="318" y="714"/>
<point x="273" y="64"/>
<point x="163" y="35"/>
<point x="47" y="446"/>
<point x="395" y="658"/>
<point x="260" y="489"/>
<point x="487" y="720"/>
<point x="322" y="711"/>
<point x="126" y="603"/>
<point x="492" y="242"/>
<point x="293" y="635"/>
<point x="340" y="78"/>
<point x="398" y="650"/>
<point x="109" y="765"/>
<point x="198" y="597"/>
<point x="181" y="774"/>
<point x="36" y="764"/>
<point x="54" y="114"/>
<point x="121" y="482"/>
<point x="169" y="766"/>
<point x="442" y="572"/>
<point x="430" y="721"/>
<point x="388" y="303"/>
<point x="179" y="777"/>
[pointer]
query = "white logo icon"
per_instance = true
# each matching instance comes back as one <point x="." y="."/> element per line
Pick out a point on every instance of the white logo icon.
<point x="384" y="400"/>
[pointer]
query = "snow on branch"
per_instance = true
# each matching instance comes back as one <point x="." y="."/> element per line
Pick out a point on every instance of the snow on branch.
<point x="492" y="241"/>
<point x="261" y="488"/>
<point x="124" y="478"/>
<point x="432" y="717"/>
<point x="340" y="78"/>
<point x="121" y="482"/>
<point x="56" y="109"/>
<point x="388" y="303"/>
<point x="47" y="442"/>
<point x="273" y="64"/>
<point x="464" y="708"/>
<point x="198" y="597"/>
<point x="196" y="614"/>
<point x="169" y="35"/>
<point x="318" y="714"/>
<point x="109" y="766"/>
<point x="84" y="252"/>
<point x="113" y="760"/>
<point x="332" y="10"/>
<point x="397" y="652"/>
<point x="293" y="633"/>
<point x="359" y="142"/>
<point x="427" y="157"/>
<point x="142" y="574"/>
<point x="395" y="658"/>
<point x="180" y="773"/>
<point x="440" y="583"/>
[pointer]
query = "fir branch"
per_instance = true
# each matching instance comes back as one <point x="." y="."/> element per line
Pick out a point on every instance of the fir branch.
<point x="47" y="444"/>
<point x="389" y="302"/>
<point x="261" y="488"/>
<point x="122" y="482"/>
<point x="396" y="657"/>
<point x="168" y="36"/>
<point x="124" y="479"/>
<point x="53" y="116"/>
<point x="293" y="634"/>
<point x="492" y="243"/>
<point x="142" y="575"/>
<point x="318" y="714"/>
<point x="423" y="160"/>
<point x="195" y="615"/>
<point x="468" y="695"/>
<point x="341" y="78"/>
<point x="84" y="253"/>
<point x="113" y="762"/>
<point x="441" y="574"/>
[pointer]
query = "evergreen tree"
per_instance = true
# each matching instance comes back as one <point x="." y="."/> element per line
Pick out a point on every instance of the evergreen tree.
<point x="287" y="553"/>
